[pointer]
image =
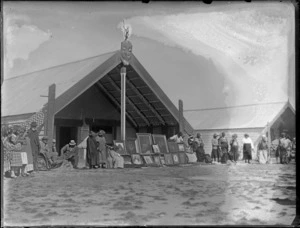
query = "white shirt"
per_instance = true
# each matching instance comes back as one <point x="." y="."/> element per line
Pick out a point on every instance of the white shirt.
<point x="177" y="139"/>
<point x="248" y="140"/>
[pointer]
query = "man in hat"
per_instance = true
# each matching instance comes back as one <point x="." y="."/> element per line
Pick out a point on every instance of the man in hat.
<point x="33" y="135"/>
<point x="70" y="152"/>
<point x="102" y="148"/>
<point x="215" y="145"/>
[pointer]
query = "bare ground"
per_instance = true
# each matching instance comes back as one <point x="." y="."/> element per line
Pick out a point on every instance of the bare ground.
<point x="239" y="194"/>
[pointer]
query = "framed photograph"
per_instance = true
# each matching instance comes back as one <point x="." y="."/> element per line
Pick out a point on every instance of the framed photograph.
<point x="145" y="143"/>
<point x="127" y="159"/>
<point x="162" y="159"/>
<point x="130" y="146"/>
<point x="175" y="158"/>
<point x="156" y="159"/>
<point x="148" y="160"/>
<point x="136" y="159"/>
<point x="182" y="158"/>
<point x="155" y="148"/>
<point x="168" y="159"/>
<point x="173" y="147"/>
<point x="161" y="141"/>
<point x="181" y="147"/>
<point x="121" y="146"/>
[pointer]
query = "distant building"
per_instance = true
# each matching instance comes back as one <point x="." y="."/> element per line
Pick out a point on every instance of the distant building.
<point x="251" y="119"/>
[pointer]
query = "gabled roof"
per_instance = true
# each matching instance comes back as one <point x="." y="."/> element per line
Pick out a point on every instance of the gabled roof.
<point x="22" y="94"/>
<point x="246" y="116"/>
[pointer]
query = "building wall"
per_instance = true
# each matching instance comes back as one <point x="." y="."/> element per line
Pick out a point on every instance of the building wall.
<point x="207" y="136"/>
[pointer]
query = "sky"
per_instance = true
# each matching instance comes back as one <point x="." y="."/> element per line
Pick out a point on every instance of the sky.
<point x="217" y="55"/>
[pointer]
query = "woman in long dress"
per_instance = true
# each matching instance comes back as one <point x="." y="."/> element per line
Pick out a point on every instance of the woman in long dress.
<point x="101" y="146"/>
<point x="247" y="148"/>
<point x="262" y="149"/>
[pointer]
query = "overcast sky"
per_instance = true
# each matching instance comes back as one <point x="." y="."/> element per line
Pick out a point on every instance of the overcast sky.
<point x="207" y="55"/>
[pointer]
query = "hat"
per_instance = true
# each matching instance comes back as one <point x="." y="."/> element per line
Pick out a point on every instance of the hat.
<point x="101" y="132"/>
<point x="54" y="141"/>
<point x="215" y="135"/>
<point x="246" y="135"/>
<point x="72" y="143"/>
<point x="45" y="138"/>
<point x="33" y="124"/>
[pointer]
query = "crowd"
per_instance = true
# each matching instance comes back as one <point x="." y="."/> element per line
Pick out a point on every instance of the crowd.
<point x="224" y="150"/>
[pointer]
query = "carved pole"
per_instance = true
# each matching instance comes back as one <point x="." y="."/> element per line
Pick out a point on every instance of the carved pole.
<point x="50" y="114"/>
<point x="181" y="122"/>
<point x="123" y="103"/>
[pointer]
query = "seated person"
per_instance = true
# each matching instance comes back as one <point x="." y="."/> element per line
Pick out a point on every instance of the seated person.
<point x="70" y="152"/>
<point x="115" y="160"/>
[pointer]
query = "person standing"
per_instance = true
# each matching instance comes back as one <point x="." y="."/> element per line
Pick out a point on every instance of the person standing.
<point x="33" y="135"/>
<point x="70" y="153"/>
<point x="101" y="146"/>
<point x="234" y="147"/>
<point x="215" y="145"/>
<point x="262" y="150"/>
<point x="92" y="155"/>
<point x="284" y="145"/>
<point x="200" y="153"/>
<point x="223" y="143"/>
<point x="293" y="150"/>
<point x="247" y="148"/>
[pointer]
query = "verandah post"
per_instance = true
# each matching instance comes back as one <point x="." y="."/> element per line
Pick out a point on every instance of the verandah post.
<point x="123" y="103"/>
<point x="181" y="122"/>
<point x="50" y="114"/>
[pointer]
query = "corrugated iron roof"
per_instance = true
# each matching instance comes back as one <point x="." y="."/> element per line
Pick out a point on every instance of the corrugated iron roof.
<point x="15" y="101"/>
<point x="246" y="116"/>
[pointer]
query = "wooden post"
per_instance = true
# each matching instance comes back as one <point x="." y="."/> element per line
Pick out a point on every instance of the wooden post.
<point x="269" y="141"/>
<point x="50" y="114"/>
<point x="123" y="103"/>
<point x="181" y="122"/>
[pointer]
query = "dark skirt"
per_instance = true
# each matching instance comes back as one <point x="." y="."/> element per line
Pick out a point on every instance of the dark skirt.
<point x="224" y="158"/>
<point x="200" y="153"/>
<point x="214" y="153"/>
<point x="247" y="151"/>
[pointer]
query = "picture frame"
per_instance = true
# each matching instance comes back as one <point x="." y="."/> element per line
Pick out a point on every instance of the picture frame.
<point x="182" y="158"/>
<point x="173" y="147"/>
<point x="175" y="158"/>
<point x="168" y="159"/>
<point x="136" y="159"/>
<point x="144" y="142"/>
<point x="148" y="159"/>
<point x="156" y="159"/>
<point x="121" y="145"/>
<point x="181" y="147"/>
<point x="127" y="159"/>
<point x="162" y="159"/>
<point x="130" y="146"/>
<point x="161" y="141"/>
<point x="156" y="149"/>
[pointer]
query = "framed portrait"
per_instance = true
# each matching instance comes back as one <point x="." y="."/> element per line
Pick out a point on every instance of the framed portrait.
<point x="168" y="159"/>
<point x="175" y="158"/>
<point x="161" y="141"/>
<point x="121" y="146"/>
<point x="155" y="148"/>
<point x="156" y="159"/>
<point x="136" y="159"/>
<point x="148" y="160"/>
<point x="162" y="159"/>
<point x="127" y="159"/>
<point x="182" y="158"/>
<point x="181" y="147"/>
<point x="130" y="146"/>
<point x="173" y="147"/>
<point x="145" y="143"/>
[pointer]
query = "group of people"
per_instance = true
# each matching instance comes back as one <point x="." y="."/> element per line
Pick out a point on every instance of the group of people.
<point x="99" y="154"/>
<point x="224" y="150"/>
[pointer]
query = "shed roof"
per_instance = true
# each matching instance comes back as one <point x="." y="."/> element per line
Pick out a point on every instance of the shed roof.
<point x="246" y="116"/>
<point x="146" y="102"/>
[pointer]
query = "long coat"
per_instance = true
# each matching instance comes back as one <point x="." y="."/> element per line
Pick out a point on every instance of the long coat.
<point x="92" y="154"/>
<point x="34" y="141"/>
<point x="102" y="149"/>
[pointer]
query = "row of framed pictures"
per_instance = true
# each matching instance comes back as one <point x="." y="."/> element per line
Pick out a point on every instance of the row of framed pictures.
<point x="147" y="143"/>
<point x="155" y="159"/>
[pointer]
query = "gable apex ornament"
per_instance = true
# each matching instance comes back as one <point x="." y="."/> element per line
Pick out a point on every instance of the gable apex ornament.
<point x="126" y="46"/>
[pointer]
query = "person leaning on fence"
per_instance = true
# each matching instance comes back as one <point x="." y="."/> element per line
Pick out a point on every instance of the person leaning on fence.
<point x="70" y="153"/>
<point x="177" y="138"/>
<point x="35" y="144"/>
<point x="248" y="147"/>
<point x="262" y="150"/>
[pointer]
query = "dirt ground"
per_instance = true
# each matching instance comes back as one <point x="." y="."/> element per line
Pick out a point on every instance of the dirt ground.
<point x="242" y="194"/>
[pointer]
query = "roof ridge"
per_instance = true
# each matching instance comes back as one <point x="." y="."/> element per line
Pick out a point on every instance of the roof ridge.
<point x="76" y="61"/>
<point x="237" y="106"/>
